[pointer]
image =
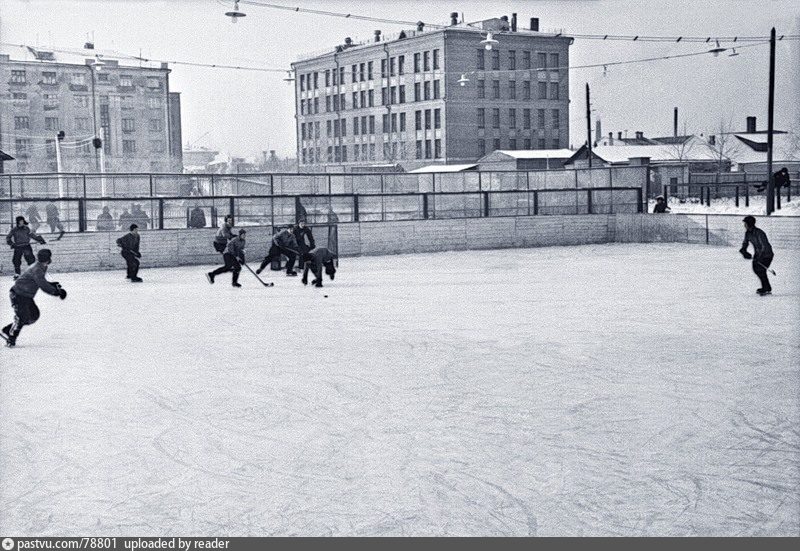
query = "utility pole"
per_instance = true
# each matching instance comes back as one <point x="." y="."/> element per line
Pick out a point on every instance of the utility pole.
<point x="59" y="166"/>
<point x="589" y="125"/>
<point x="771" y="125"/>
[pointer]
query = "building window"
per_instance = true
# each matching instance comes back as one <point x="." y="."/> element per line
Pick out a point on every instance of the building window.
<point x="496" y="89"/>
<point x="128" y="125"/>
<point x="428" y="149"/>
<point x="554" y="61"/>
<point x="363" y="97"/>
<point x="556" y="143"/>
<point x="316" y="81"/>
<point x="369" y="70"/>
<point x="418" y="120"/>
<point x="51" y="123"/>
<point x="82" y="124"/>
<point x="526" y="90"/>
<point x="416" y="62"/>
<point x="427" y="119"/>
<point x="78" y="79"/>
<point x="386" y="123"/>
<point x="481" y="117"/>
<point x="157" y="146"/>
<point x="527" y="143"/>
<point x="437" y="93"/>
<point x="437" y="149"/>
<point x="426" y="61"/>
<point x="355" y="100"/>
<point x="129" y="146"/>
<point x="435" y="60"/>
<point x="402" y="122"/>
<point x="392" y="66"/>
<point x="541" y="60"/>
<point x="426" y="88"/>
<point x="354" y="72"/>
<point x="512" y="89"/>
<point x="302" y="83"/>
<point x="393" y="95"/>
<point x="481" y="148"/>
<point x="344" y="153"/>
<point x="328" y="128"/>
<point x="156" y="125"/>
<point x="126" y="81"/>
<point x="526" y="60"/>
<point x="394" y="122"/>
<point x="481" y="89"/>
<point x="126" y="102"/>
<point x="371" y="98"/>
<point x="154" y="83"/>
<point x="553" y="90"/>
<point x="526" y="120"/>
<point x="402" y="93"/>
<point x="341" y="76"/>
<point x="512" y="60"/>
<point x="383" y="96"/>
<point x="22" y="145"/>
<point x="495" y="59"/>
<point x="496" y="117"/>
<point x="361" y="72"/>
<point x="541" y="144"/>
<point x="496" y="144"/>
<point x="18" y="76"/>
<point x="540" y="117"/>
<point x="512" y="118"/>
<point x="437" y="118"/>
<point x="19" y="95"/>
<point x="330" y="154"/>
<point x="556" y="118"/>
<point x="316" y="105"/>
<point x="372" y="124"/>
<point x="363" y="125"/>
<point x="355" y="126"/>
<point x="542" y="90"/>
<point x="419" y="149"/>
<point x="384" y="74"/>
<point x="356" y="152"/>
<point x="327" y="104"/>
<point x="481" y="60"/>
<point x="327" y="77"/>
<point x="154" y="102"/>
<point x="512" y="144"/>
<point x="336" y="128"/>
<point x="401" y="65"/>
<point x="49" y="77"/>
<point x="81" y="101"/>
<point x="417" y="91"/>
<point x="22" y="123"/>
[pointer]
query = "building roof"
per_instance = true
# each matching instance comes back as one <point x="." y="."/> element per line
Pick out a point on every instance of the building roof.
<point x="622" y="154"/>
<point x="443" y="168"/>
<point x="5" y="156"/>
<point x="753" y="148"/>
<point x="672" y="140"/>
<point x="509" y="154"/>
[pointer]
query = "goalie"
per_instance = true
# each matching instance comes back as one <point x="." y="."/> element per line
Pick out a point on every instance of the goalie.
<point x="315" y="260"/>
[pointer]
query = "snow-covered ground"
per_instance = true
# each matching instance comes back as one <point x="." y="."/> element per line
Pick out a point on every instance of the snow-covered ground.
<point x="727" y="205"/>
<point x="609" y="390"/>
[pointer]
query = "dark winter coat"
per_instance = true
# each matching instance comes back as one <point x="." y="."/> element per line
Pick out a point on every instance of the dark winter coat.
<point x="105" y="222"/>
<point x="285" y="239"/>
<point x="224" y="234"/>
<point x="660" y="208"/>
<point x="235" y="247"/>
<point x="197" y="218"/>
<point x="304" y="238"/>
<point x="32" y="280"/>
<point x="125" y="220"/>
<point x="51" y="211"/>
<point x="20" y="236"/>
<point x="318" y="258"/>
<point x="758" y="238"/>
<point x="129" y="242"/>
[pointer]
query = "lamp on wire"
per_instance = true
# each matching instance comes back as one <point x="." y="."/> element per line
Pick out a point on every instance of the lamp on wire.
<point x="289" y="77"/>
<point x="489" y="42"/>
<point x="463" y="80"/>
<point x="734" y="53"/>
<point x="716" y="51"/>
<point x="235" y="14"/>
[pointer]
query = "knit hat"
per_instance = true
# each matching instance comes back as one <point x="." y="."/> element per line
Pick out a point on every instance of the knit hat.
<point x="749" y="220"/>
<point x="22" y="218"/>
<point x="242" y="231"/>
<point x="44" y="255"/>
<point x="134" y="227"/>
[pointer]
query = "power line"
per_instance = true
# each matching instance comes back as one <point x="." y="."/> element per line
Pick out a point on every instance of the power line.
<point x="596" y="36"/>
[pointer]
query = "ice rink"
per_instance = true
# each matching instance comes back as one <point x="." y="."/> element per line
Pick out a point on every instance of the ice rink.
<point x="593" y="390"/>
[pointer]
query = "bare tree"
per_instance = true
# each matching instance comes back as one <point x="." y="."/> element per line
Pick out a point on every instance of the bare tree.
<point x="724" y="144"/>
<point x="681" y="150"/>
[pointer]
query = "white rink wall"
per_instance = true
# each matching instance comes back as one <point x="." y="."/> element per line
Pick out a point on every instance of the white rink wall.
<point x="184" y="247"/>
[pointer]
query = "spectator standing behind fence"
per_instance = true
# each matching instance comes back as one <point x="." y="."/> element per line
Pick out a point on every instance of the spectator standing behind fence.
<point x="19" y="239"/>
<point x="105" y="222"/>
<point x="125" y="219"/>
<point x="781" y="179"/>
<point x="140" y="217"/>
<point x="661" y="205"/>
<point x="54" y="220"/>
<point x="197" y="218"/>
<point x="33" y="218"/>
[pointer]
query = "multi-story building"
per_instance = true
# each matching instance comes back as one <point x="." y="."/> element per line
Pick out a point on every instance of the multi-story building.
<point x="404" y="100"/>
<point x="129" y="108"/>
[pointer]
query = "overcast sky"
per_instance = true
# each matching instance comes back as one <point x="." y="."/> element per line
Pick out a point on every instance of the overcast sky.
<point x="245" y="112"/>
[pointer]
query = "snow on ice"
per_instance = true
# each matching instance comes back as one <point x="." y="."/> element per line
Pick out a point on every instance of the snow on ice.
<point x="594" y="390"/>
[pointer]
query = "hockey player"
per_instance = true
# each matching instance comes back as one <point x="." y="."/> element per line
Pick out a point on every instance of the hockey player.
<point x="19" y="239"/>
<point x="130" y="252"/>
<point x="283" y="243"/>
<point x="224" y="234"/>
<point x="315" y="260"/>
<point x="762" y="255"/>
<point x="33" y="217"/>
<point x="24" y="290"/>
<point x="234" y="258"/>
<point x="661" y="205"/>
<point x="304" y="237"/>
<point x="54" y="220"/>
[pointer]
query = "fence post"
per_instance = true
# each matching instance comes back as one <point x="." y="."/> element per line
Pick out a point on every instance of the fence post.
<point x="778" y="199"/>
<point x="84" y="185"/>
<point x="329" y="184"/>
<point x="589" y="200"/>
<point x="737" y="196"/>
<point x="151" y="185"/>
<point x="789" y="193"/>
<point x="272" y="185"/>
<point x="297" y="206"/>
<point x="746" y="194"/>
<point x="425" y="206"/>
<point x="231" y="205"/>
<point x="640" y="200"/>
<point x="81" y="215"/>
<point x="213" y="193"/>
<point x="160" y="214"/>
<point x="535" y="202"/>
<point x="480" y="181"/>
<point x="355" y="208"/>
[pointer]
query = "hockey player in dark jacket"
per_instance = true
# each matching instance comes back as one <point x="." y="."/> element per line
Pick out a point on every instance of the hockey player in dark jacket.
<point x="224" y="234"/>
<point x="283" y="243"/>
<point x="53" y="219"/>
<point x="304" y="237"/>
<point x="234" y="258"/>
<point x="130" y="252"/>
<point x="24" y="290"/>
<point x="19" y="239"/>
<point x="315" y="260"/>
<point x="762" y="254"/>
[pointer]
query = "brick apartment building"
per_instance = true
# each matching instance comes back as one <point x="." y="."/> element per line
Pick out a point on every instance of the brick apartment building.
<point x="130" y="108"/>
<point x="400" y="101"/>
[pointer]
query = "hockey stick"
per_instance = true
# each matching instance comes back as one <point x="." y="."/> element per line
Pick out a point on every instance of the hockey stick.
<point x="770" y="270"/>
<point x="264" y="283"/>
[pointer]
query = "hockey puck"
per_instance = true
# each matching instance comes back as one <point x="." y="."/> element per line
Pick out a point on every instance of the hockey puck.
<point x="326" y="296"/>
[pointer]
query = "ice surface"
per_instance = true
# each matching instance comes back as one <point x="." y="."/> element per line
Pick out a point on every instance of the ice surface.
<point x="609" y="390"/>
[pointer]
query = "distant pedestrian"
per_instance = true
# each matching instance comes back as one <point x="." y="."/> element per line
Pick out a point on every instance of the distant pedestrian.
<point x="661" y="205"/>
<point x="762" y="253"/>
<point x="19" y="239"/>
<point x="54" y="220"/>
<point x="105" y="222"/>
<point x="130" y="252"/>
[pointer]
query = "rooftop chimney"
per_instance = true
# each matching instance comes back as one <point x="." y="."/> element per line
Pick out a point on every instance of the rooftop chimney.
<point x="675" y="123"/>
<point x="420" y="26"/>
<point x="712" y="139"/>
<point x="610" y="138"/>
<point x="377" y="36"/>
<point x="454" y="18"/>
<point x="619" y="135"/>
<point x="348" y="41"/>
<point x="513" y="22"/>
<point x="751" y="125"/>
<point x="639" y="135"/>
<point x="535" y="24"/>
